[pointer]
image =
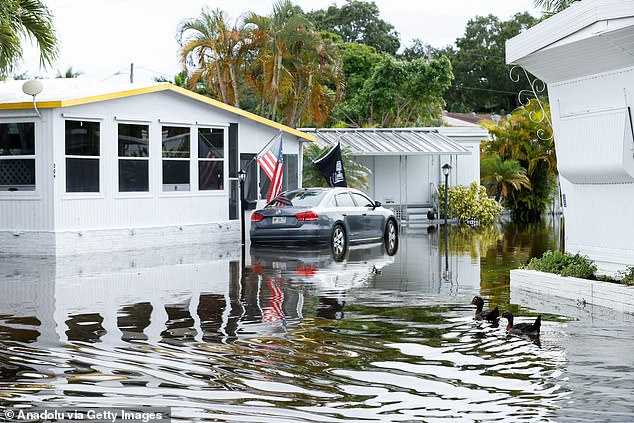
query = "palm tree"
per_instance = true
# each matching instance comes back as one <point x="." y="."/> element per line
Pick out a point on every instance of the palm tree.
<point x="277" y="36"/>
<point x="318" y="82"/>
<point x="553" y="6"/>
<point x="356" y="173"/>
<point x="69" y="73"/>
<point x="216" y="51"/>
<point x="503" y="177"/>
<point x="22" y="19"/>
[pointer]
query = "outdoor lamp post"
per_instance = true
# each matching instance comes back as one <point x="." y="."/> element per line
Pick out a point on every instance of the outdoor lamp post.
<point x="445" y="170"/>
<point x="242" y="175"/>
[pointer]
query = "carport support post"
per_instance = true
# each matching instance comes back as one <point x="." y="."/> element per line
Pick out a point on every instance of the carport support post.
<point x="242" y="174"/>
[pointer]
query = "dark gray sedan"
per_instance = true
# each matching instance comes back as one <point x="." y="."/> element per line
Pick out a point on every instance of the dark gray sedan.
<point x="338" y="216"/>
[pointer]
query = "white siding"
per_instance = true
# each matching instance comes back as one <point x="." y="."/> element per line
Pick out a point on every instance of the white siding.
<point x="31" y="210"/>
<point x="588" y="62"/>
<point x="30" y="223"/>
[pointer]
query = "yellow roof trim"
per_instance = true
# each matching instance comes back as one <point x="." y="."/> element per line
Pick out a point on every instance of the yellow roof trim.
<point x="241" y="112"/>
<point x="156" y="88"/>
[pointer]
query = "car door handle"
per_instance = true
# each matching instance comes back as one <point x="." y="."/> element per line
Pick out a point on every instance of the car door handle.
<point x="365" y="214"/>
<point x="344" y="214"/>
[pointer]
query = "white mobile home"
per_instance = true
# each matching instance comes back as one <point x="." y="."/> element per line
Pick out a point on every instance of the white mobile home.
<point x="586" y="56"/>
<point x="88" y="166"/>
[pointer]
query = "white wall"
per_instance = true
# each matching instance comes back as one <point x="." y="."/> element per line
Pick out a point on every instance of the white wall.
<point x="110" y="209"/>
<point x="31" y="210"/>
<point x="598" y="206"/>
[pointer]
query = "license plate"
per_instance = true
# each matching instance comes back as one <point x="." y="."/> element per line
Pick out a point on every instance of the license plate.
<point x="279" y="220"/>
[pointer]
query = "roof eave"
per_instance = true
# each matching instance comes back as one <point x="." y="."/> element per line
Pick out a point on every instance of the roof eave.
<point x="152" y="89"/>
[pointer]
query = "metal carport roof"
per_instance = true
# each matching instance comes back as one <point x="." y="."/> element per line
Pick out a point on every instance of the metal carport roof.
<point x="388" y="141"/>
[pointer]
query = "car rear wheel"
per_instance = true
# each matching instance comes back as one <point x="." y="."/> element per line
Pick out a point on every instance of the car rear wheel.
<point x="338" y="242"/>
<point x="391" y="237"/>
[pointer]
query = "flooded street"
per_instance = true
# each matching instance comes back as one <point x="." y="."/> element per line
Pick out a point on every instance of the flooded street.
<point x="291" y="335"/>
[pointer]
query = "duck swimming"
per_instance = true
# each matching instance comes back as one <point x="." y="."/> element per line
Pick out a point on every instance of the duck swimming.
<point x="490" y="315"/>
<point x="522" y="328"/>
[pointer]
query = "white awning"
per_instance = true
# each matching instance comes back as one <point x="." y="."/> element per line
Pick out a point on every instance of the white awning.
<point x="388" y="141"/>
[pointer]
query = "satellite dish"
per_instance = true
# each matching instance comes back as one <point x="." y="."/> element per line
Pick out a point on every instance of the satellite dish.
<point x="33" y="87"/>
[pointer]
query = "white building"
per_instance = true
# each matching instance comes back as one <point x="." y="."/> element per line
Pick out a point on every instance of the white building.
<point x="97" y="167"/>
<point x="586" y="56"/>
<point x="406" y="163"/>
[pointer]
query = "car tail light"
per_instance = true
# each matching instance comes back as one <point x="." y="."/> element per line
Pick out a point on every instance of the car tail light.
<point x="308" y="215"/>
<point x="256" y="217"/>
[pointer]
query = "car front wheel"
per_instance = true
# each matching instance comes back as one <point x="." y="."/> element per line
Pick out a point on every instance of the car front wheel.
<point x="338" y="242"/>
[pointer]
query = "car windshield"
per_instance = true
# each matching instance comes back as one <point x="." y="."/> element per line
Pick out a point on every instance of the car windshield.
<point x="300" y="198"/>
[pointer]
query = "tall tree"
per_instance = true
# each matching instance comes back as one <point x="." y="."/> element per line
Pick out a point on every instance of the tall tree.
<point x="275" y="36"/>
<point x="317" y="83"/>
<point x="482" y="82"/>
<point x="526" y="137"/>
<point x="296" y="72"/>
<point x="216" y="51"/>
<point x="20" y="20"/>
<point x="401" y="93"/>
<point x="358" y="22"/>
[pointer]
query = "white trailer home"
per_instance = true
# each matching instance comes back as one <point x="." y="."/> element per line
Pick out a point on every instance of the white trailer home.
<point x="586" y="56"/>
<point x="88" y="166"/>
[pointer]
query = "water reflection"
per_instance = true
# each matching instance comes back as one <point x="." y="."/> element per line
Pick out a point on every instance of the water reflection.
<point x="296" y="335"/>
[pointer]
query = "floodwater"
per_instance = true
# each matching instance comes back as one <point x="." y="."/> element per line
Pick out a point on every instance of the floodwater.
<point x="291" y="335"/>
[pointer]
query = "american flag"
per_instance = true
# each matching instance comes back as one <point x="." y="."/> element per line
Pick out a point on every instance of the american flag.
<point x="272" y="162"/>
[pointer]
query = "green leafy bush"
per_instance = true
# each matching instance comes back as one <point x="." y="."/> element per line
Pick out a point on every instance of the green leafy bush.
<point x="472" y="203"/>
<point x="564" y="264"/>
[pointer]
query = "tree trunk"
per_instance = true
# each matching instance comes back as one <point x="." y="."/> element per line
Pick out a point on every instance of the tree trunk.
<point x="234" y="84"/>
<point x="221" y="84"/>
<point x="306" y="98"/>
<point x="277" y="75"/>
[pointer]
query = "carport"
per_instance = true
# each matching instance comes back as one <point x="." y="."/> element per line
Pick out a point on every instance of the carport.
<point x="406" y="163"/>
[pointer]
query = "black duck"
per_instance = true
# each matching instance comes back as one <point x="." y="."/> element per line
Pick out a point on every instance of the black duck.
<point x="522" y="328"/>
<point x="489" y="315"/>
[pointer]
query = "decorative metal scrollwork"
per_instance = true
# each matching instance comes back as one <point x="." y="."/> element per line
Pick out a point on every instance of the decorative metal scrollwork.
<point x="537" y="87"/>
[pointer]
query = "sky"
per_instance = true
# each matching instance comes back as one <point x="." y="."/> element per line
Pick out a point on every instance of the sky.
<point x="101" y="38"/>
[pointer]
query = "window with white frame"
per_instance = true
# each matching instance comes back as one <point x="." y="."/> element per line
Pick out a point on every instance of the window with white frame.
<point x="211" y="142"/>
<point x="176" y="156"/>
<point x="82" y="156"/>
<point x="17" y="156"/>
<point x="133" y="146"/>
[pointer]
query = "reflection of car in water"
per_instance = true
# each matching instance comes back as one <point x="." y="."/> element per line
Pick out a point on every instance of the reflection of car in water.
<point x="317" y="265"/>
<point x="338" y="216"/>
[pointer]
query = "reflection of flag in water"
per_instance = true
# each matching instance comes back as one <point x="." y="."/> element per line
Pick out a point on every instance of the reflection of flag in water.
<point x="274" y="312"/>
<point x="272" y="163"/>
<point x="208" y="173"/>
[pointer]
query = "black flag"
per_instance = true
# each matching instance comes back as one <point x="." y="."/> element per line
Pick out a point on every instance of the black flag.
<point x="331" y="167"/>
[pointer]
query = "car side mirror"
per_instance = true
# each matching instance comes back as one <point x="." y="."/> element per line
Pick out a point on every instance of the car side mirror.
<point x="377" y="204"/>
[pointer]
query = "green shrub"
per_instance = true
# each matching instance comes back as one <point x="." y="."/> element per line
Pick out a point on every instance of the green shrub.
<point x="472" y="203"/>
<point x="564" y="264"/>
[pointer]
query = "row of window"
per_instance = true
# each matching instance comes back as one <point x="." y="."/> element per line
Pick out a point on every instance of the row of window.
<point x="83" y="149"/>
